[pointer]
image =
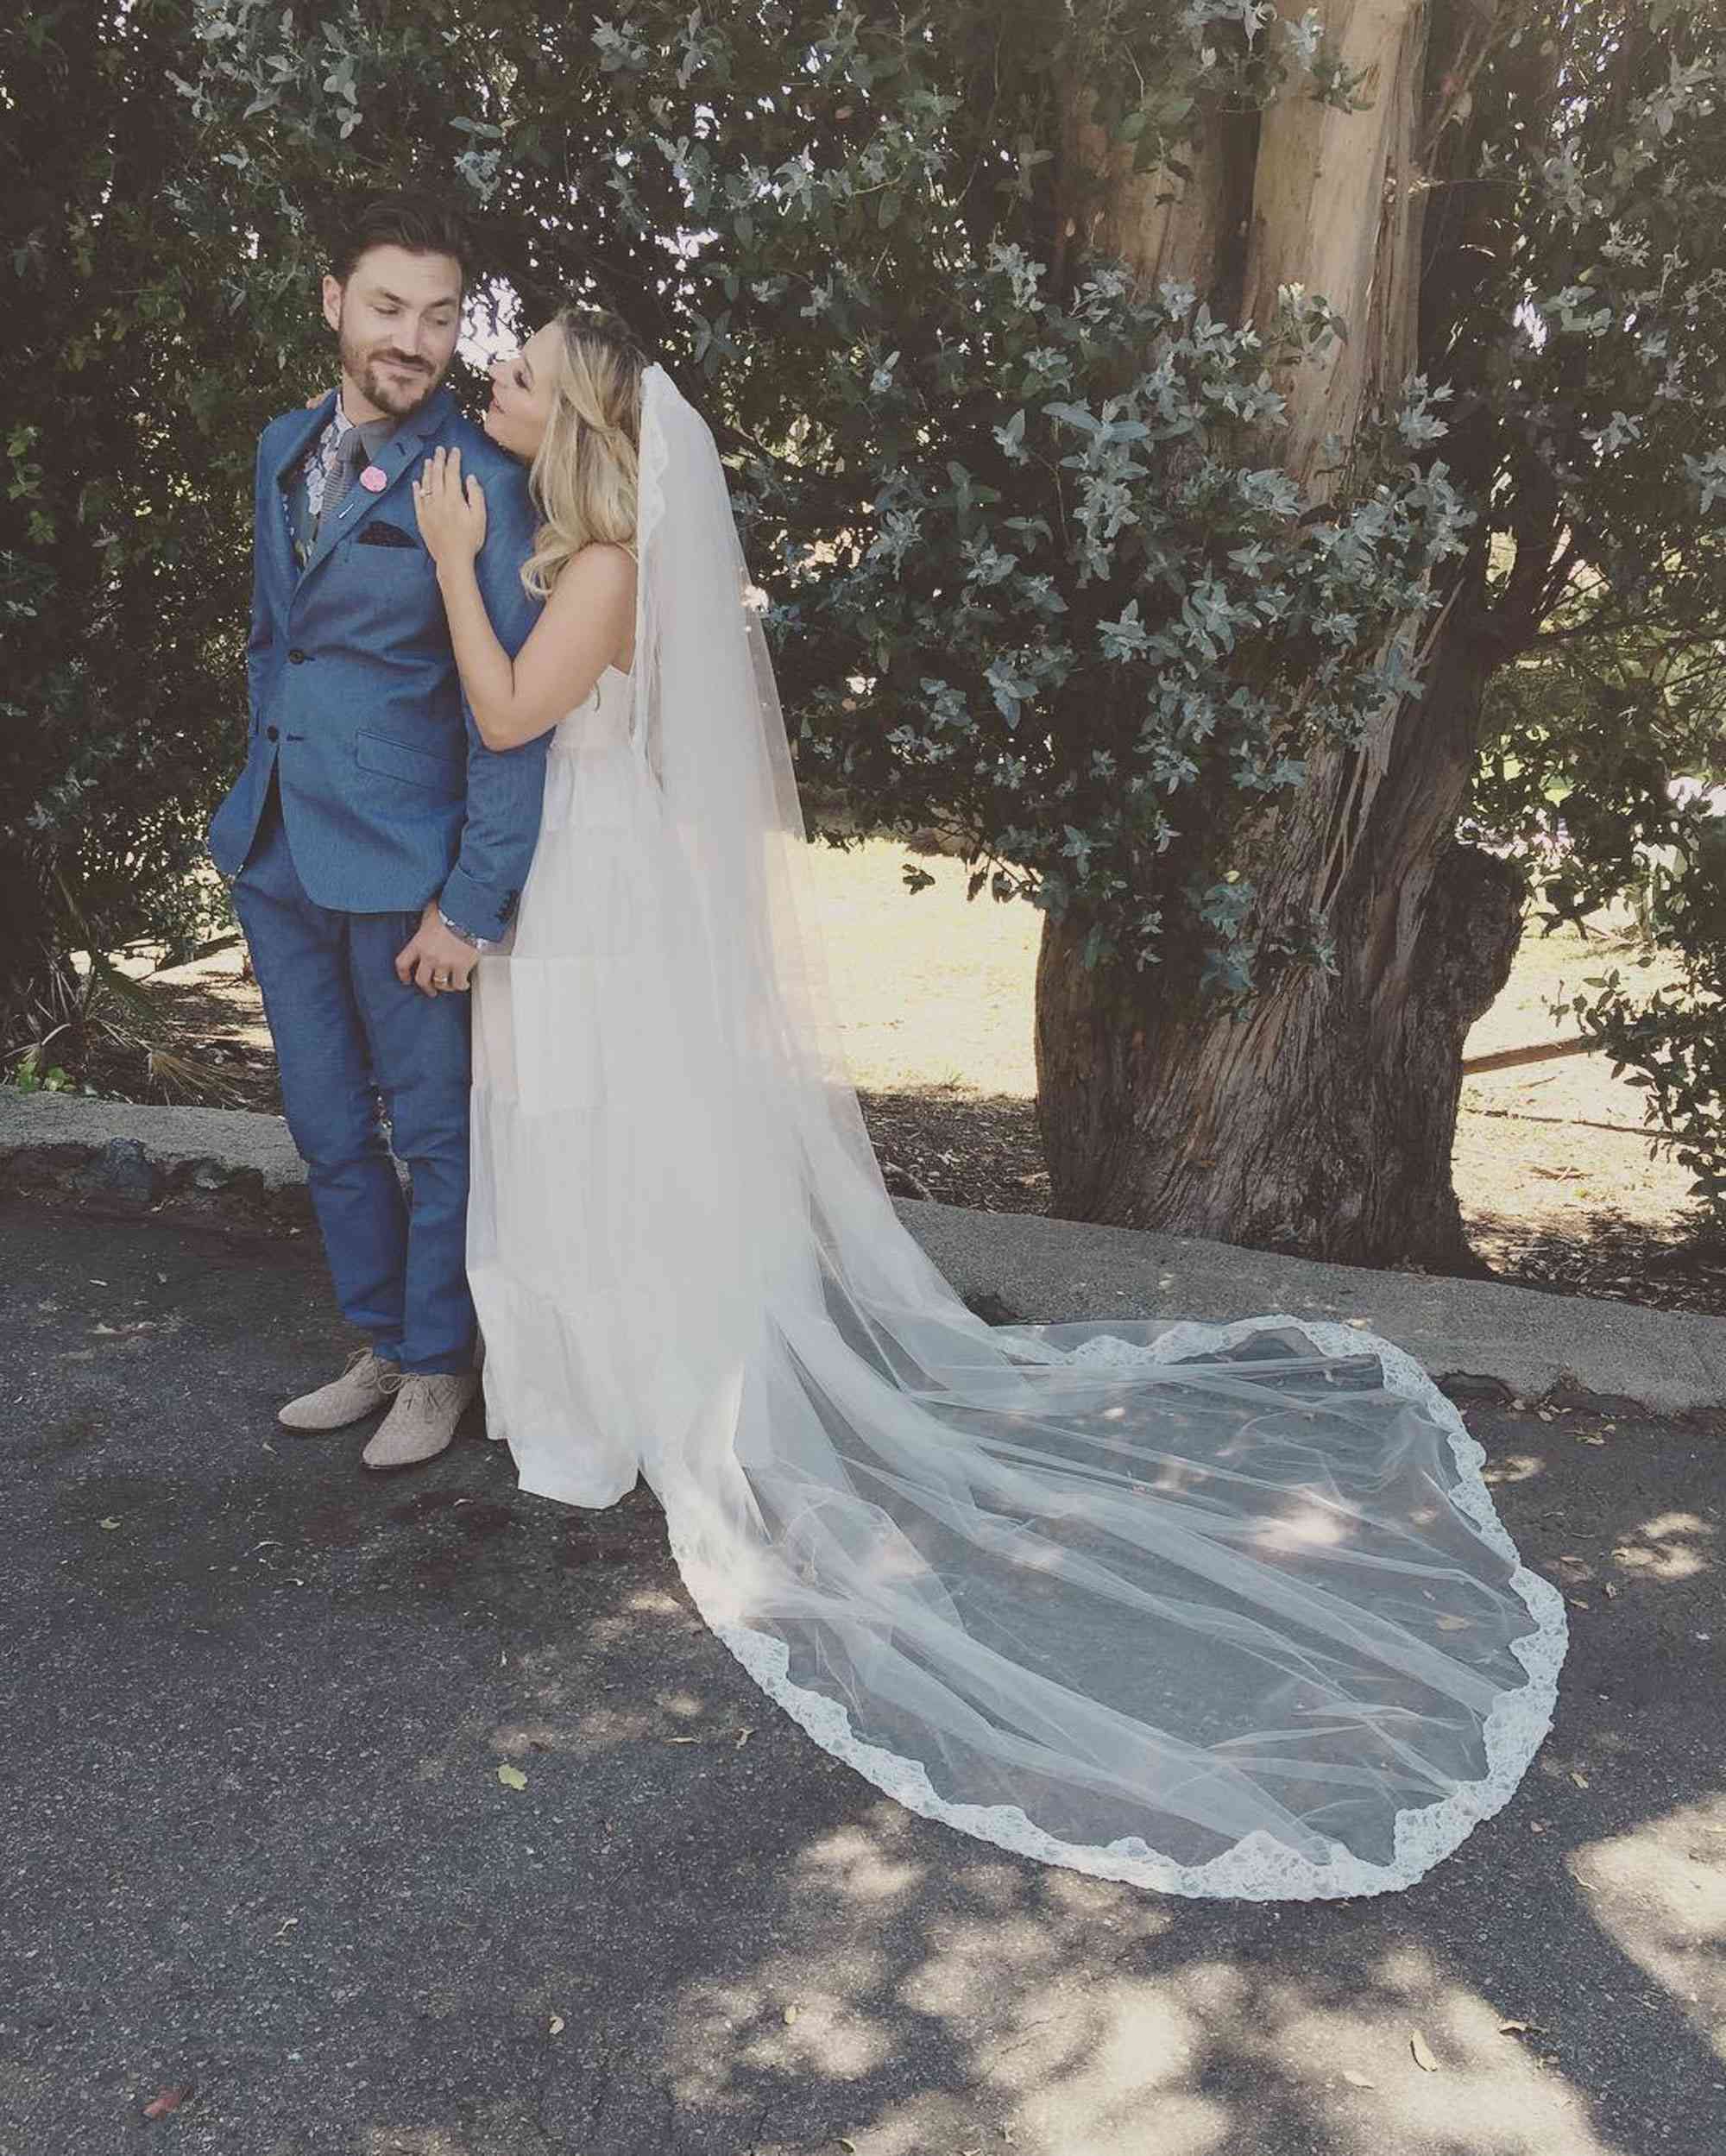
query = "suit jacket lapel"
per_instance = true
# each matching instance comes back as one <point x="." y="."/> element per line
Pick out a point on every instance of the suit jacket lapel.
<point x="312" y="424"/>
<point x="403" y="448"/>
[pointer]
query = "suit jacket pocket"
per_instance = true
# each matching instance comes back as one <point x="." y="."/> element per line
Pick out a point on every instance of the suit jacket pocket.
<point x="379" y="532"/>
<point x="386" y="558"/>
<point x="420" y="766"/>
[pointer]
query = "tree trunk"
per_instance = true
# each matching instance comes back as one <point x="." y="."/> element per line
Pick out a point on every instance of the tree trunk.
<point x="1323" y="1120"/>
<point x="1337" y="207"/>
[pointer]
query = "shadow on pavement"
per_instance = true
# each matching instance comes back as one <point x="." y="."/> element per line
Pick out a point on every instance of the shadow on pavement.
<point x="256" y="1841"/>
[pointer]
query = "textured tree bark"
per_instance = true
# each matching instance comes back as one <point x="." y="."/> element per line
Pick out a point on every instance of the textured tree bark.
<point x="1323" y="1122"/>
<point x="1336" y="207"/>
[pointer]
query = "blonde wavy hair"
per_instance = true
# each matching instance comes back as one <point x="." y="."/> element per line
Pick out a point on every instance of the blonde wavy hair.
<point x="583" y="472"/>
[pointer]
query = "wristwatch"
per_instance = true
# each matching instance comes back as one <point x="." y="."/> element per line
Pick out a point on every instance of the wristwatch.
<point x="467" y="935"/>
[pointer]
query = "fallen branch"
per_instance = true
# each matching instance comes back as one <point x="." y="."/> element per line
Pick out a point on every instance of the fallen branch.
<point x="1542" y="1052"/>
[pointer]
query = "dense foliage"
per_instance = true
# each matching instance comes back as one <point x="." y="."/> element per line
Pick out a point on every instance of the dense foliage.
<point x="954" y="437"/>
<point x="1036" y="573"/>
<point x="130" y="405"/>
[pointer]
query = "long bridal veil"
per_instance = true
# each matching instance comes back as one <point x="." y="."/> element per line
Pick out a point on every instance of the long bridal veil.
<point x="1219" y="1611"/>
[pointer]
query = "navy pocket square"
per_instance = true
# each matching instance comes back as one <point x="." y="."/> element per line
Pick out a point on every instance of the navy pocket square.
<point x="379" y="534"/>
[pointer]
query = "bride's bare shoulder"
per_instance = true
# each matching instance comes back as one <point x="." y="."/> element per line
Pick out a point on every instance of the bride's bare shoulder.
<point x="590" y="615"/>
<point x="599" y="574"/>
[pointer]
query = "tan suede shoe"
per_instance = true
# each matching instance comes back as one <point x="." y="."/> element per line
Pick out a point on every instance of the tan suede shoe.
<point x="362" y="1388"/>
<point x="423" y="1420"/>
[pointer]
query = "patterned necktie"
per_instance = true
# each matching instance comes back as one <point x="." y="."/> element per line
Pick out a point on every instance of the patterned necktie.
<point x="352" y="460"/>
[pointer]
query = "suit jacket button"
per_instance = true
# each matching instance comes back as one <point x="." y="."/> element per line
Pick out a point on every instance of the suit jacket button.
<point x="270" y="733"/>
<point x="297" y="657"/>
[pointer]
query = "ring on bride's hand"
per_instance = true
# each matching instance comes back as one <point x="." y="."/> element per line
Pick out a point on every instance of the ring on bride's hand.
<point x="440" y="981"/>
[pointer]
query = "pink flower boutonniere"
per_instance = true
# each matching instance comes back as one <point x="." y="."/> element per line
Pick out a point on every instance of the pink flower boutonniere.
<point x="373" y="479"/>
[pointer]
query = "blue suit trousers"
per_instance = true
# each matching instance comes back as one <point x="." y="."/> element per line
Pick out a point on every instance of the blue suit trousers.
<point x="349" y="1036"/>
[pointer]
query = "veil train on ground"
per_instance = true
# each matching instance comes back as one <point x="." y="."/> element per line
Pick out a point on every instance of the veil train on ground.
<point x="1221" y="1611"/>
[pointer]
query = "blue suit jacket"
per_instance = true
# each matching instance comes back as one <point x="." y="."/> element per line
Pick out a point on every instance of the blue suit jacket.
<point x="389" y="796"/>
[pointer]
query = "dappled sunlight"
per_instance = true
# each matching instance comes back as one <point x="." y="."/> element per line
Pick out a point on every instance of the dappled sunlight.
<point x="1357" y="2067"/>
<point x="975" y="1963"/>
<point x="653" y="1602"/>
<point x="783" y="2023"/>
<point x="925" y="2125"/>
<point x="852" y="1865"/>
<point x="1132" y="2039"/>
<point x="545" y="1673"/>
<point x="1303" y="1529"/>
<point x="1673" y="1546"/>
<point x="828" y="2037"/>
<point x="1405" y="1971"/>
<point x="779" y="2024"/>
<point x="1659" y="1892"/>
<point x="571" y="1720"/>
<point x="1123" y="2071"/>
<point x="1070" y="2019"/>
<point x="1174" y="1477"/>
<point x="614" y="1725"/>
<point x="1510" y="1467"/>
<point x="995" y="1888"/>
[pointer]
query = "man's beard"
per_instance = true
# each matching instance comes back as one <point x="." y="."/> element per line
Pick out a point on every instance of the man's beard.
<point x="387" y="392"/>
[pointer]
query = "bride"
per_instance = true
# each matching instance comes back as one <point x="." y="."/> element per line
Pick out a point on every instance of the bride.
<point x="1219" y="1612"/>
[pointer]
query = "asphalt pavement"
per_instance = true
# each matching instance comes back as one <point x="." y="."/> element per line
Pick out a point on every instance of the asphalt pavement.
<point x="257" y="1841"/>
<point x="232" y="1163"/>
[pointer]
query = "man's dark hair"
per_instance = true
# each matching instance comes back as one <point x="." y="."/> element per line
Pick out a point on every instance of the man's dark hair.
<point x="419" y="223"/>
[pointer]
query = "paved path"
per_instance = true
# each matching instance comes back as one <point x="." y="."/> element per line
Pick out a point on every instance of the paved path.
<point x="252" y="1838"/>
<point x="231" y="1161"/>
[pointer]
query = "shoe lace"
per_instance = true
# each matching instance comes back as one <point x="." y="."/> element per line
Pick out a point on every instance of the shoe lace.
<point x="398" y="1381"/>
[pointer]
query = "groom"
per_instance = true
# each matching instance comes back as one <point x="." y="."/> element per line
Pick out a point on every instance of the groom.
<point x="375" y="847"/>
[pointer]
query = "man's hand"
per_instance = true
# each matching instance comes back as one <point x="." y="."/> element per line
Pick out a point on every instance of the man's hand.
<point x="435" y="962"/>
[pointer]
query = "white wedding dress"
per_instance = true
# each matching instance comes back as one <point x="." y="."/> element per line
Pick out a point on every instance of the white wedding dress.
<point x="1219" y="1612"/>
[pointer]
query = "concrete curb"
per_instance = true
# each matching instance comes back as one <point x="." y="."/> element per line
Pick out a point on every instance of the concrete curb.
<point x="239" y="1165"/>
<point x="227" y="1161"/>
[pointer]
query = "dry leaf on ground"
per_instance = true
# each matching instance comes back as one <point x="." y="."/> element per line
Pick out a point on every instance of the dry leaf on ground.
<point x="167" y="2101"/>
<point x="1423" y="2053"/>
<point x="512" y="1777"/>
<point x="1356" y="2081"/>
